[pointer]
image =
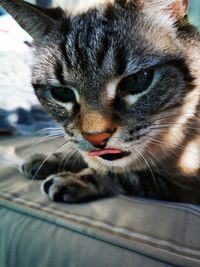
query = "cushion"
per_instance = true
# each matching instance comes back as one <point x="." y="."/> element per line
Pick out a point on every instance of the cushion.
<point x="118" y="231"/>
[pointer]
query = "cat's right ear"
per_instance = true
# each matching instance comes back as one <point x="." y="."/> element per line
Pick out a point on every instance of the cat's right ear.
<point x="179" y="8"/>
<point x="34" y="20"/>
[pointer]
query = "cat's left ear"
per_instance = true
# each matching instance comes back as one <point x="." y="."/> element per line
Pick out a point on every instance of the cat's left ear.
<point x="36" y="21"/>
<point x="179" y="8"/>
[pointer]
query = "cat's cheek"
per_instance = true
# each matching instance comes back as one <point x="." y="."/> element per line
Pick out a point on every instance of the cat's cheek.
<point x="59" y="114"/>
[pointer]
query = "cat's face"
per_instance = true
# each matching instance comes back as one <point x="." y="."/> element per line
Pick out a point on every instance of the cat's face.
<point x="115" y="77"/>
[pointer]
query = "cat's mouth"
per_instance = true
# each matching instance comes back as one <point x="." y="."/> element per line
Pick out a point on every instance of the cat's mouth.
<point x="109" y="154"/>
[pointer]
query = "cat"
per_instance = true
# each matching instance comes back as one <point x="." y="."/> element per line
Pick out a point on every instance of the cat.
<point x="123" y="79"/>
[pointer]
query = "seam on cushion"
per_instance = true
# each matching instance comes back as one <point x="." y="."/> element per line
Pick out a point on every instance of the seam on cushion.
<point x="189" y="208"/>
<point x="61" y="214"/>
<point x="118" y="243"/>
<point x="104" y="239"/>
<point x="91" y="220"/>
<point x="124" y="233"/>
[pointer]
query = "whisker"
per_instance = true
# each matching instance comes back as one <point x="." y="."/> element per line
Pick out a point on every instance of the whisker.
<point x="150" y="157"/>
<point x="173" y="114"/>
<point x="160" y="144"/>
<point x="166" y="143"/>
<point x="174" y="125"/>
<point x="148" y="167"/>
<point x="77" y="154"/>
<point x="66" y="158"/>
<point x="60" y="147"/>
<point x="42" y="140"/>
<point x="188" y="130"/>
<point x="52" y="129"/>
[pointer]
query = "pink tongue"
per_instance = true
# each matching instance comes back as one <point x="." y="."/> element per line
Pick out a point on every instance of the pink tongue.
<point x="104" y="152"/>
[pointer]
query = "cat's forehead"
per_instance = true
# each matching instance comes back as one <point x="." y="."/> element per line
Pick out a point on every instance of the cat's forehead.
<point x="117" y="22"/>
<point x="104" y="42"/>
<point x="111" y="37"/>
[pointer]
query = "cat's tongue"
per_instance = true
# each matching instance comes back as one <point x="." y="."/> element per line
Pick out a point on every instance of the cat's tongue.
<point x="99" y="153"/>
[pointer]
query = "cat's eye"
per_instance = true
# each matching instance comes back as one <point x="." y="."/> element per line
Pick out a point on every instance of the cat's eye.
<point x="137" y="83"/>
<point x="63" y="94"/>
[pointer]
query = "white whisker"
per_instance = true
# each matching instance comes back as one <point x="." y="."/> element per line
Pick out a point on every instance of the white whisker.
<point x="60" y="147"/>
<point x="148" y="166"/>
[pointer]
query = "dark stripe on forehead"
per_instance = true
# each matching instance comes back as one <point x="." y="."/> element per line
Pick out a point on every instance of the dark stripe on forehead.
<point x="81" y="47"/>
<point x="80" y="57"/>
<point x="58" y="70"/>
<point x="65" y="55"/>
<point x="104" y="46"/>
<point x="110" y="12"/>
<point x="65" y="26"/>
<point x="65" y="29"/>
<point x="122" y="3"/>
<point x="121" y="60"/>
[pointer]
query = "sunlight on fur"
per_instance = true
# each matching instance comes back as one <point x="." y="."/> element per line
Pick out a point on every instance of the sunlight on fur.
<point x="190" y="160"/>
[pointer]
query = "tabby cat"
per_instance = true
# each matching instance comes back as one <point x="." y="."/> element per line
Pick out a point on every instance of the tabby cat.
<point x="123" y="79"/>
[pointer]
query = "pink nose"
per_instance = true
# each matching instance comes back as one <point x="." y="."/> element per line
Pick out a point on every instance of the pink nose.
<point x="99" y="139"/>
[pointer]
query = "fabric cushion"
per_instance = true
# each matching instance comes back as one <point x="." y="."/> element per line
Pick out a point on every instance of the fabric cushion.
<point x="118" y="231"/>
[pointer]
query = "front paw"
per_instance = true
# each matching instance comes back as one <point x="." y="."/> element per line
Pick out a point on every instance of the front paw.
<point x="39" y="166"/>
<point x="71" y="187"/>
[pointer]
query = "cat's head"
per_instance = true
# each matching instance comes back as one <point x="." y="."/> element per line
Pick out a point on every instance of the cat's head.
<point x="117" y="76"/>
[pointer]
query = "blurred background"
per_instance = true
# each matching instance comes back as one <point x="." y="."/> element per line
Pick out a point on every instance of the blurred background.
<point x="20" y="112"/>
<point x="194" y="6"/>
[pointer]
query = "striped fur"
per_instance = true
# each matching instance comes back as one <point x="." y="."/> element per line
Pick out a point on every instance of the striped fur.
<point x="93" y="51"/>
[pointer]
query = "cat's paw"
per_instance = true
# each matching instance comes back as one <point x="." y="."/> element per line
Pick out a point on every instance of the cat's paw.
<point x="70" y="187"/>
<point x="39" y="166"/>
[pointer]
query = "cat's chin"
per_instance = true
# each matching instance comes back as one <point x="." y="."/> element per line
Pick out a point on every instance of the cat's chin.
<point x="127" y="162"/>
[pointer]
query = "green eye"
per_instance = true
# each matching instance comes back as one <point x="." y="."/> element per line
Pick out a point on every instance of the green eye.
<point x="137" y="83"/>
<point x="63" y="94"/>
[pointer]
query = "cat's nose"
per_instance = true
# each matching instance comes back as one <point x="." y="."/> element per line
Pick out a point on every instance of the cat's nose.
<point x="99" y="139"/>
